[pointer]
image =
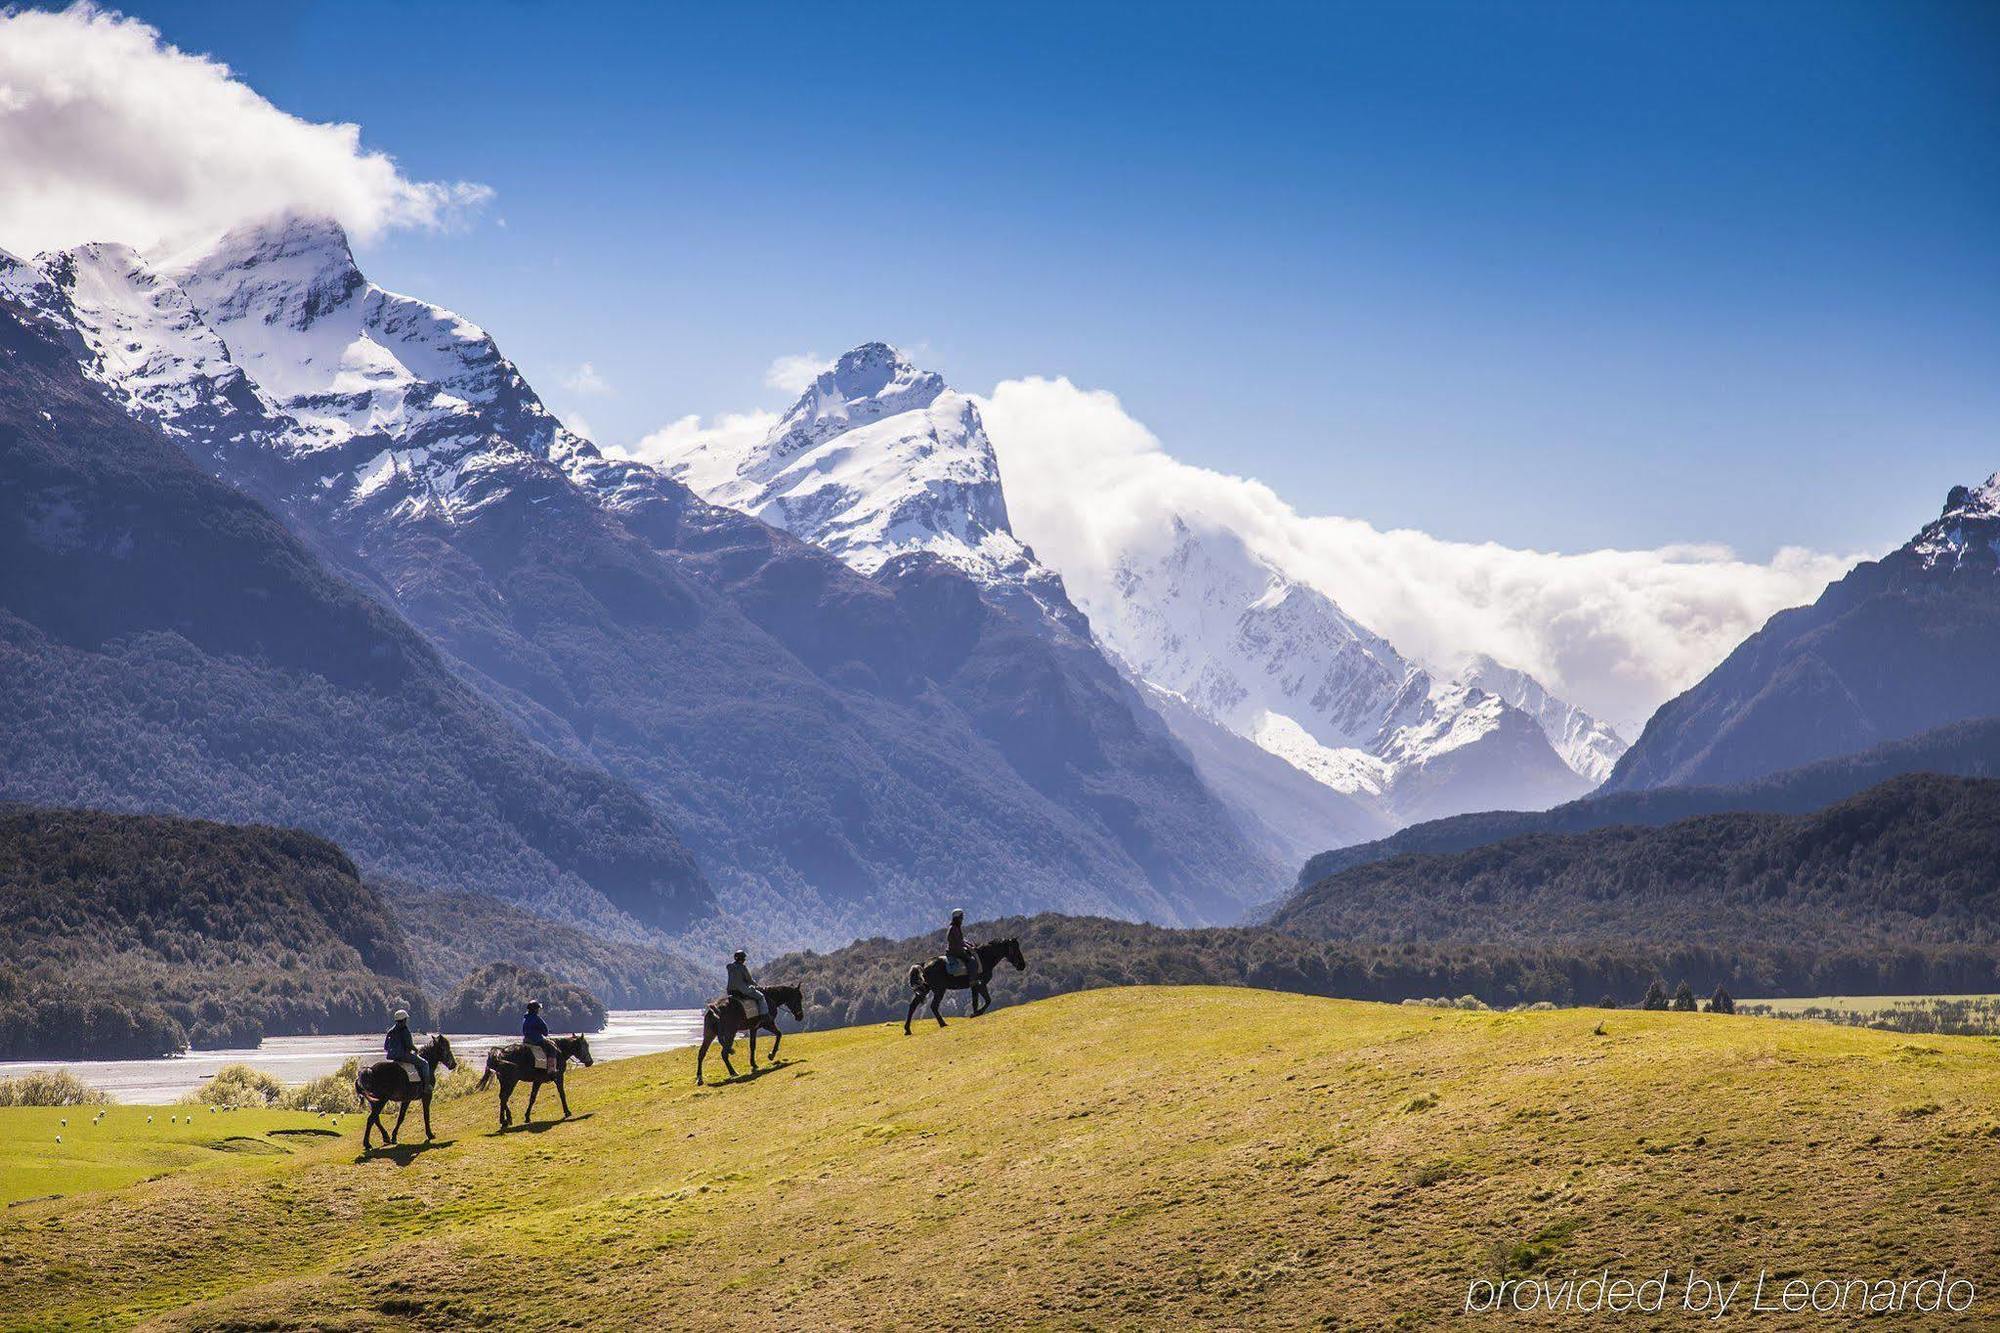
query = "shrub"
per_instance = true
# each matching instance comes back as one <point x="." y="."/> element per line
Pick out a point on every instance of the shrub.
<point x="1656" y="995"/>
<point x="1683" y="999"/>
<point x="1720" y="1003"/>
<point x="49" y="1087"/>
<point x="238" y="1085"/>
<point x="329" y="1092"/>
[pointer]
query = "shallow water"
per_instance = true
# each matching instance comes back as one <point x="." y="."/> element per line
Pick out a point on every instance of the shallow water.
<point x="627" y="1032"/>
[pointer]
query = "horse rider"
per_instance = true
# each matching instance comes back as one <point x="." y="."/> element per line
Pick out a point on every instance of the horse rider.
<point x="747" y="992"/>
<point x="956" y="948"/>
<point x="535" y="1031"/>
<point x="401" y="1045"/>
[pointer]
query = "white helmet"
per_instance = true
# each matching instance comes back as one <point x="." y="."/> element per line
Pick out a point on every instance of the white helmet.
<point x="957" y="912"/>
<point x="402" y="1015"/>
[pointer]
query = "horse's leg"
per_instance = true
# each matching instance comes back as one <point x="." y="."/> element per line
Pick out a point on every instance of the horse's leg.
<point x="561" y="1095"/>
<point x="728" y="1045"/>
<point x="753" y="1048"/>
<point x="402" y="1109"/>
<point x="916" y="1003"/>
<point x="528" y="1111"/>
<point x="937" y="998"/>
<point x="428" y="1136"/>
<point x="707" y="1040"/>
<point x="506" y="1093"/>
<point x="981" y="1000"/>
<point x="776" y="1037"/>
<point x="374" y="1114"/>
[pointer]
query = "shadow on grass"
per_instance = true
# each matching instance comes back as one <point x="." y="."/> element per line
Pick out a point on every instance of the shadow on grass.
<point x="750" y="1075"/>
<point x="402" y="1154"/>
<point x="540" y="1126"/>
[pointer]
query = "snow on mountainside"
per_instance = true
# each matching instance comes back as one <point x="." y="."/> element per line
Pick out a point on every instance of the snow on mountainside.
<point x="875" y="460"/>
<point x="1280" y="663"/>
<point x="1967" y="534"/>
<point x="840" y="752"/>
<point x="1585" y="744"/>
<point x="878" y="458"/>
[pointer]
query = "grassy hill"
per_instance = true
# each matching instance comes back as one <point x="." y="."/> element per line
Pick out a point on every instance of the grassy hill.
<point x="1193" y="1156"/>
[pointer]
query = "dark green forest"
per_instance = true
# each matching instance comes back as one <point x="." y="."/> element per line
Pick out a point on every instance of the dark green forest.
<point x="1907" y="873"/>
<point x="866" y="982"/>
<point x="494" y="997"/>
<point x="134" y="935"/>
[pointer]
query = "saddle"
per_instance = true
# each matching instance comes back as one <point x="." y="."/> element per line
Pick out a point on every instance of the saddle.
<point x="745" y="1007"/>
<point x="539" y="1057"/>
<point x="958" y="967"/>
<point x="410" y="1070"/>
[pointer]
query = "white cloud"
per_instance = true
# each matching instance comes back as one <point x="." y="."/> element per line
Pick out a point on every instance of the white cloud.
<point x="578" y="423"/>
<point x="793" y="374"/>
<point x="1616" y="632"/>
<point x="109" y="133"/>
<point x="585" y="380"/>
<point x="724" y="438"/>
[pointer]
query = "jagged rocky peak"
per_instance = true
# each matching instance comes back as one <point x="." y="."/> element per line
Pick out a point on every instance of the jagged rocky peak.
<point x="1587" y="745"/>
<point x="866" y="384"/>
<point x="1966" y="536"/>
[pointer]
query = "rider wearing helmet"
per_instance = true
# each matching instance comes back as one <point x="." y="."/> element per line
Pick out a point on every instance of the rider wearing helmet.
<point x="955" y="947"/>
<point x="747" y="992"/>
<point x="535" y="1030"/>
<point x="400" y="1045"/>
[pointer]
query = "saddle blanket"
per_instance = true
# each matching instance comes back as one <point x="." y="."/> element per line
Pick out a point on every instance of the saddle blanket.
<point x="540" y="1058"/>
<point x="410" y="1070"/>
<point x="957" y="967"/>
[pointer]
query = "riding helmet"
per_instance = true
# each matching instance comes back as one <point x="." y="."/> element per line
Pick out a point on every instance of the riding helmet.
<point x="402" y="1015"/>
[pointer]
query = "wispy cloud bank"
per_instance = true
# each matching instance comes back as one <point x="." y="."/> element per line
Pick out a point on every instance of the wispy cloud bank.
<point x="586" y="380"/>
<point x="109" y="133"/>
<point x="791" y="374"/>
<point x="727" y="436"/>
<point x="1617" y="632"/>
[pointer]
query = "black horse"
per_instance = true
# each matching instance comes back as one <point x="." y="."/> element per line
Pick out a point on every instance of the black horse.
<point x="930" y="981"/>
<point x="387" y="1081"/>
<point x="724" y="1018"/>
<point x="514" y="1064"/>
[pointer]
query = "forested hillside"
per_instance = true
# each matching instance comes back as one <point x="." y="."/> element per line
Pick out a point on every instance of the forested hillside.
<point x="1908" y="870"/>
<point x="1966" y="749"/>
<point x="132" y="935"/>
<point x="165" y="644"/>
<point x="868" y="981"/>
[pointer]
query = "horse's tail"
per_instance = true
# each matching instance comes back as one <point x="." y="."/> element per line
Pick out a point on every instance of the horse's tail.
<point x="486" y="1077"/>
<point x="916" y="976"/>
<point x="361" y="1087"/>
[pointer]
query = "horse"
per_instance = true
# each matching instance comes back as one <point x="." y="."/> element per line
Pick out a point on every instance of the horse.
<point x="931" y="980"/>
<point x="514" y="1065"/>
<point x="724" y="1018"/>
<point x="387" y="1081"/>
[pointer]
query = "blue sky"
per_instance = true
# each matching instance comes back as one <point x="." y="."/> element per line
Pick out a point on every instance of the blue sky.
<point x="1553" y="275"/>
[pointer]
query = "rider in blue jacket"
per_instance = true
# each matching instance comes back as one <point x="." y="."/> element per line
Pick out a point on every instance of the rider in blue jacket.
<point x="535" y="1031"/>
<point x="399" y="1044"/>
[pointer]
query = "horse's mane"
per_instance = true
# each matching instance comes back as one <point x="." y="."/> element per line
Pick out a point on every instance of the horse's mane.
<point x="776" y="994"/>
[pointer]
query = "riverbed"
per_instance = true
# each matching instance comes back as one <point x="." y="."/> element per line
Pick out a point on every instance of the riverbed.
<point x="627" y="1032"/>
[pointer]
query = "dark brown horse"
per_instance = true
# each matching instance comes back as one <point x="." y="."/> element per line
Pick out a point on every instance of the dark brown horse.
<point x="514" y="1064"/>
<point x="724" y="1018"/>
<point x="930" y="981"/>
<point x="387" y="1081"/>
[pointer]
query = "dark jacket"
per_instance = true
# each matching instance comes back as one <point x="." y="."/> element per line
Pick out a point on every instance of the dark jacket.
<point x="533" y="1028"/>
<point x="399" y="1043"/>
<point x="954" y="939"/>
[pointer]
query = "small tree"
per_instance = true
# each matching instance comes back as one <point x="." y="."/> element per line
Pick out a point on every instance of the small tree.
<point x="1683" y="999"/>
<point x="1656" y="995"/>
<point x="1720" y="1003"/>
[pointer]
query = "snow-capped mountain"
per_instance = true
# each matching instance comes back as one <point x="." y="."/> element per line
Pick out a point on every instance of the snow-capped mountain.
<point x="1897" y="647"/>
<point x="1280" y="663"/>
<point x="1587" y="745"/>
<point x="841" y="753"/>
<point x="879" y="458"/>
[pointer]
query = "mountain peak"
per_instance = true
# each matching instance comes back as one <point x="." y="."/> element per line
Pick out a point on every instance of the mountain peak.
<point x="866" y="384"/>
<point x="281" y="236"/>
<point x="1967" y="534"/>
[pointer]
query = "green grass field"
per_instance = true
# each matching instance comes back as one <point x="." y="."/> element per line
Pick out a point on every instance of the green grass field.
<point x="132" y="1143"/>
<point x="1859" y="1004"/>
<point x="1134" y="1158"/>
